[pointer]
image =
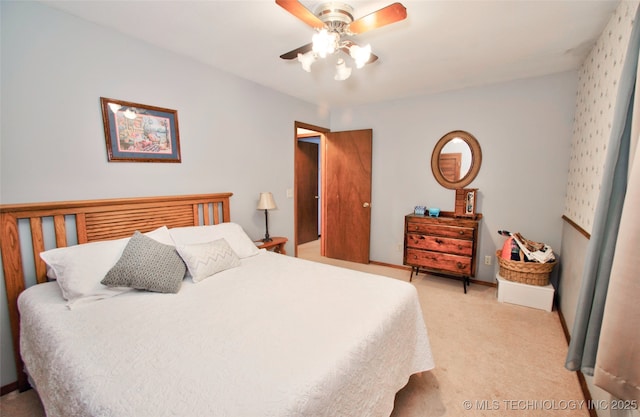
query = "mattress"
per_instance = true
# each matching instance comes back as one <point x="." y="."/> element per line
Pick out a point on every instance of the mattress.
<point x="276" y="336"/>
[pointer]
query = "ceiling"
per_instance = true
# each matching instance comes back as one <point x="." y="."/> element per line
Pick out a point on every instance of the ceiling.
<point x="441" y="46"/>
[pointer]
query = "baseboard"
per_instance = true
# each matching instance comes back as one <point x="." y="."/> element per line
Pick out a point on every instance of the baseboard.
<point x="486" y="283"/>
<point x="563" y="323"/>
<point x="5" y="389"/>
<point x="408" y="269"/>
<point x="581" y="379"/>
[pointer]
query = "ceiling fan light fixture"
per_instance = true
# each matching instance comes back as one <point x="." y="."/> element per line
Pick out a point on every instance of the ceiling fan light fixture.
<point x="306" y="60"/>
<point x="325" y="42"/>
<point x="342" y="71"/>
<point x="361" y="54"/>
<point x="333" y="20"/>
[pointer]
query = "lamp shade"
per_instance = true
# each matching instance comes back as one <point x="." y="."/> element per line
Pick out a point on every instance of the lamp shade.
<point x="266" y="202"/>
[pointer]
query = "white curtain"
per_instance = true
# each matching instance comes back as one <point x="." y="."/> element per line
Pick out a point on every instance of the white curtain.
<point x="617" y="368"/>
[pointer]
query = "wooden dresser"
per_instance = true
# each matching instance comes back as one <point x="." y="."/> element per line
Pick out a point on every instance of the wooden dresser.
<point x="444" y="245"/>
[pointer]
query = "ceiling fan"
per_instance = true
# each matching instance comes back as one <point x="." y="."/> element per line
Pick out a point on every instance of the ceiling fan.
<point x="333" y="21"/>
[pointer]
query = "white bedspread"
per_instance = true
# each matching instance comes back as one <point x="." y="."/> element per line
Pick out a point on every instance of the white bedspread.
<point x="277" y="336"/>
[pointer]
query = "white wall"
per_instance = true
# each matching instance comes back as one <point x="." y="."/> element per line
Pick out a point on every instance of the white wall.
<point x="235" y="135"/>
<point x="524" y="128"/>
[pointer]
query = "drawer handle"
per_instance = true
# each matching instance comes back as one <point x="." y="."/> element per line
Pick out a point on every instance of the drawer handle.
<point x="459" y="247"/>
<point x="438" y="241"/>
<point x="461" y="232"/>
<point x="415" y="256"/>
<point x="460" y="265"/>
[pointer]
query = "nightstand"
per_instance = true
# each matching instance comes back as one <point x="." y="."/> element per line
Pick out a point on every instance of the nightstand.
<point x="276" y="245"/>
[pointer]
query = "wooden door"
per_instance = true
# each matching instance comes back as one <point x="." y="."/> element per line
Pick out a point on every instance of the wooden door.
<point x="307" y="191"/>
<point x="450" y="165"/>
<point x="346" y="212"/>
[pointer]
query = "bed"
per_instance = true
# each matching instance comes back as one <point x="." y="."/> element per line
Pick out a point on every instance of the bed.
<point x="246" y="332"/>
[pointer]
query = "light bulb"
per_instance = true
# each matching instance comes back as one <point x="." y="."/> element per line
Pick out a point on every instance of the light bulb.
<point x="342" y="71"/>
<point x="361" y="54"/>
<point x="306" y="60"/>
<point x="324" y="43"/>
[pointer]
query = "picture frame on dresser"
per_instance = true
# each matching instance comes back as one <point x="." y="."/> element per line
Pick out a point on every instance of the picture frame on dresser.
<point x="465" y="203"/>
<point x="137" y="132"/>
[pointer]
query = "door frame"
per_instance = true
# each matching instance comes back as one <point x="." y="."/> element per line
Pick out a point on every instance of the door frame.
<point x="320" y="131"/>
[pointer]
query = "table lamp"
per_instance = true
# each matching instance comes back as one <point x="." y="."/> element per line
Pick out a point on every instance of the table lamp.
<point x="266" y="203"/>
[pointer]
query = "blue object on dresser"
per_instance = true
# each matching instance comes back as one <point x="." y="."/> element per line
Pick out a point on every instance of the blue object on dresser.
<point x="434" y="212"/>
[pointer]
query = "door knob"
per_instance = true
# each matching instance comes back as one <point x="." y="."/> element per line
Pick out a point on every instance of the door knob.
<point x="365" y="205"/>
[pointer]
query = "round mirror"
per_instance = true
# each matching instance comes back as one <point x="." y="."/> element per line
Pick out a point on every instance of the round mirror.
<point x="456" y="159"/>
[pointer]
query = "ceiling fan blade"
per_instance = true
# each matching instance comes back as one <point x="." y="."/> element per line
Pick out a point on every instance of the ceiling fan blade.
<point x="392" y="13"/>
<point x="349" y="44"/>
<point x="301" y="50"/>
<point x="298" y="10"/>
<point x="373" y="58"/>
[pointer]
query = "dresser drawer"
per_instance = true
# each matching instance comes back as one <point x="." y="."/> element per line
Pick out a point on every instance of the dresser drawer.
<point x="440" y="230"/>
<point x="444" y="262"/>
<point x="440" y="244"/>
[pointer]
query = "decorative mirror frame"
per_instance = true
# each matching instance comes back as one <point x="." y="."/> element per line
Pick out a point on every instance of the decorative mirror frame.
<point x="476" y="159"/>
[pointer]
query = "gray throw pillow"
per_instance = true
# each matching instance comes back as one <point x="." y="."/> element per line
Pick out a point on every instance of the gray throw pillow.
<point x="149" y="265"/>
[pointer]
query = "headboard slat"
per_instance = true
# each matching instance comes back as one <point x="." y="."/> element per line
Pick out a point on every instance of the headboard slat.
<point x="205" y="214"/>
<point x="94" y="220"/>
<point x="37" y="243"/>
<point x="216" y="215"/>
<point x="195" y="213"/>
<point x="61" y="230"/>
<point x="81" y="227"/>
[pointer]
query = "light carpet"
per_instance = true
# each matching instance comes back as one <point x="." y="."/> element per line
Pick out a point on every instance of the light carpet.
<point x="492" y="359"/>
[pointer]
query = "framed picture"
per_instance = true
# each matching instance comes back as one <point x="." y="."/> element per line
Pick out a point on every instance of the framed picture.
<point x="470" y="203"/>
<point x="140" y="133"/>
<point x="420" y="210"/>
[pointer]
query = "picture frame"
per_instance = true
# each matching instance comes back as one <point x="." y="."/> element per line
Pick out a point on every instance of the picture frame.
<point x="465" y="204"/>
<point x="420" y="210"/>
<point x="137" y="132"/>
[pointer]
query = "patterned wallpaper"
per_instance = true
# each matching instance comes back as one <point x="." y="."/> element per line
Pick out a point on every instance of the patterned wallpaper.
<point x="597" y="89"/>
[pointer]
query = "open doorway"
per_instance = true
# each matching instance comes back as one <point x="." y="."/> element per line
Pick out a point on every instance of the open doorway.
<point x="308" y="179"/>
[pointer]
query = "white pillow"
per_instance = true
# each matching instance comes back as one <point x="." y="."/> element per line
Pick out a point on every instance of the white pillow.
<point x="233" y="233"/>
<point x="206" y="259"/>
<point x="79" y="269"/>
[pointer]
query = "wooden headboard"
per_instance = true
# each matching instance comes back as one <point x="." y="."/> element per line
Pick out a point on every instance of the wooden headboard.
<point x="28" y="226"/>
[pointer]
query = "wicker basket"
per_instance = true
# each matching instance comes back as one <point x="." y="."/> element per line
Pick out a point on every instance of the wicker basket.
<point x="532" y="273"/>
